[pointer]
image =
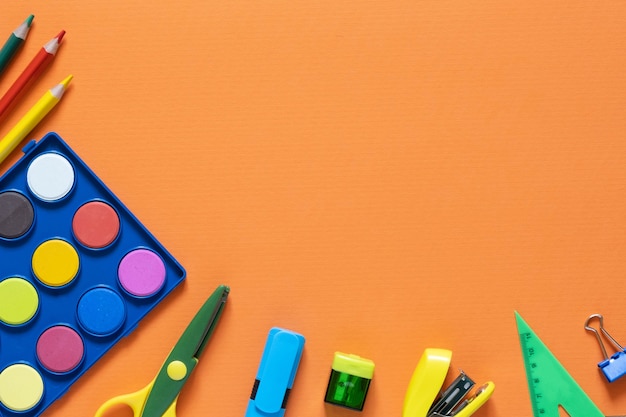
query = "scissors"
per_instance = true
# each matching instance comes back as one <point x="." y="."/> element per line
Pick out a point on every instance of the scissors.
<point x="159" y="397"/>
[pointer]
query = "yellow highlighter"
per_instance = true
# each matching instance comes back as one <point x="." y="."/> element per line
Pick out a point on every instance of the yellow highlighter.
<point x="423" y="397"/>
<point x="32" y="118"/>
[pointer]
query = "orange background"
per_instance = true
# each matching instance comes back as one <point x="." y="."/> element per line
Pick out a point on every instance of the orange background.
<point x="380" y="176"/>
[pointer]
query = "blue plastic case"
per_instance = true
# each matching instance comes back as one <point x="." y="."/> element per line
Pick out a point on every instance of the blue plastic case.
<point x="96" y="307"/>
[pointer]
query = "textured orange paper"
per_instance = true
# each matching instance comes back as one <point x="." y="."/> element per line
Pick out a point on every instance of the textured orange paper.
<point x="380" y="176"/>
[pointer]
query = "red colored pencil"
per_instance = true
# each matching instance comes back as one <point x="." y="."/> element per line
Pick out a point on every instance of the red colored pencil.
<point x="45" y="55"/>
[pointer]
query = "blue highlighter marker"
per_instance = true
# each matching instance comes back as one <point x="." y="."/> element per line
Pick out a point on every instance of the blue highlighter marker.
<point x="276" y="373"/>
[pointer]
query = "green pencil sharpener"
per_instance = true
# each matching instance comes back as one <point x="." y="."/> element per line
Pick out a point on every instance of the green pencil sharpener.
<point x="350" y="379"/>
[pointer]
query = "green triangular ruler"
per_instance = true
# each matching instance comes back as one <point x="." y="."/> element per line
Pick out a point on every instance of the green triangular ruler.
<point x="549" y="384"/>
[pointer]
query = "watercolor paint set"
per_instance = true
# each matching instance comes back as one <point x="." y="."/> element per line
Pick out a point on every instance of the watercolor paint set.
<point x="78" y="271"/>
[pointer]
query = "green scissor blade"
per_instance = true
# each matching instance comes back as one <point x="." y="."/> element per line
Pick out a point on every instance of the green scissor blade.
<point x="184" y="356"/>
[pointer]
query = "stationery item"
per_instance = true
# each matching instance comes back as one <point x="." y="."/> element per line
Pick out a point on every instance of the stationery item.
<point x="159" y="397"/>
<point x="78" y="273"/>
<point x="32" y="70"/>
<point x="452" y="396"/>
<point x="32" y="118"/>
<point x="349" y="381"/>
<point x="613" y="367"/>
<point x="426" y="382"/>
<point x="422" y="398"/>
<point x="276" y="373"/>
<point x="16" y="39"/>
<point x="549" y="383"/>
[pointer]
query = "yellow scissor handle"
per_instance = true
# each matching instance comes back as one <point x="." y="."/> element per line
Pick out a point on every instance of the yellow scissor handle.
<point x="135" y="401"/>
<point x="426" y="382"/>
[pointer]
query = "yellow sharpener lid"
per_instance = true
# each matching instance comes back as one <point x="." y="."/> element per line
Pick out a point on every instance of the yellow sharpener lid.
<point x="353" y="365"/>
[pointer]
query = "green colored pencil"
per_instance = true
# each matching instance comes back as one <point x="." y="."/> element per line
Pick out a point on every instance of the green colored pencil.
<point x="15" y="40"/>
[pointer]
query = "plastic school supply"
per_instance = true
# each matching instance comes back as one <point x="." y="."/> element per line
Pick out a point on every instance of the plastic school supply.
<point x="349" y="381"/>
<point x="613" y="367"/>
<point x="78" y="272"/>
<point x="549" y="384"/>
<point x="159" y="397"/>
<point x="422" y="400"/>
<point x="276" y="373"/>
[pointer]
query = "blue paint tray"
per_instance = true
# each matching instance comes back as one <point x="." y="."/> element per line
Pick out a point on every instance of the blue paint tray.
<point x="78" y="272"/>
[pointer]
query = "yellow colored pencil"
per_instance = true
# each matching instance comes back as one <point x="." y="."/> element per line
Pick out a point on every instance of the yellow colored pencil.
<point x="32" y="118"/>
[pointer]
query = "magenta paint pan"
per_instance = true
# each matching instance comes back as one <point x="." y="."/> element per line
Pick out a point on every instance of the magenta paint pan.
<point x="141" y="273"/>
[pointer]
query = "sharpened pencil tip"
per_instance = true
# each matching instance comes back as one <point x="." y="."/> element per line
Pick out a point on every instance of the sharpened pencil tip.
<point x="59" y="89"/>
<point x="66" y="81"/>
<point x="21" y="32"/>
<point x="60" y="36"/>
